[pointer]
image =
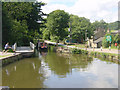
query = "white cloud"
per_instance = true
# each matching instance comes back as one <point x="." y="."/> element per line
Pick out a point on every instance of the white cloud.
<point x="92" y="9"/>
<point x="54" y="7"/>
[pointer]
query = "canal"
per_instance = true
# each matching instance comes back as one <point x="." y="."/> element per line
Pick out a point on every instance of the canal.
<point x="55" y="70"/>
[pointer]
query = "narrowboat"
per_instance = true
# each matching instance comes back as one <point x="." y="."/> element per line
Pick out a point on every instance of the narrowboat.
<point x="43" y="46"/>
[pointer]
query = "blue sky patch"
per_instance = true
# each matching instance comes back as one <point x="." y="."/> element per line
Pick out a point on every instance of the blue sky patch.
<point x="68" y="3"/>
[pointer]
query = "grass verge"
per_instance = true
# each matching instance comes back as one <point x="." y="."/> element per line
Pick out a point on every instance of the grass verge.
<point x="1" y="56"/>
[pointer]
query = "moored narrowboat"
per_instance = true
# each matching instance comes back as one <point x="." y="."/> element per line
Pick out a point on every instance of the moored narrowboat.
<point x="43" y="46"/>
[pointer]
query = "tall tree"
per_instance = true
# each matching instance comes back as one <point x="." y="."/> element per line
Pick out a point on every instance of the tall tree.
<point x="57" y="22"/>
<point x="81" y="28"/>
<point x="114" y="25"/>
<point x="100" y="24"/>
<point x="23" y="21"/>
<point x="6" y="25"/>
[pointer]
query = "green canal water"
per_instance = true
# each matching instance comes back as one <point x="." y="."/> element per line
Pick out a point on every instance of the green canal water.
<point x="55" y="70"/>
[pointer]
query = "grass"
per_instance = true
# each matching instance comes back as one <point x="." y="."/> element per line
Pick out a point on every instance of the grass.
<point x="113" y="30"/>
<point x="61" y="46"/>
<point x="1" y="56"/>
<point x="79" y="45"/>
<point x="103" y="53"/>
<point x="113" y="47"/>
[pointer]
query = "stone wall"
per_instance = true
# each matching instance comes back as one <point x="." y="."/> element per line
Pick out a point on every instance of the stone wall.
<point x="11" y="59"/>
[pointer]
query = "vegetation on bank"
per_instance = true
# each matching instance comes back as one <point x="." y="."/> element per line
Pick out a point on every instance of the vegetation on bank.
<point x="107" y="56"/>
<point x="102" y="53"/>
<point x="113" y="47"/>
<point x="79" y="51"/>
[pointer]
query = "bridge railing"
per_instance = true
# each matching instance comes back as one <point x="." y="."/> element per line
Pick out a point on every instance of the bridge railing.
<point x="32" y="46"/>
<point x="14" y="46"/>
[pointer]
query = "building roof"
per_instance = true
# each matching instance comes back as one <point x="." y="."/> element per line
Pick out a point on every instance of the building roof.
<point x="98" y="40"/>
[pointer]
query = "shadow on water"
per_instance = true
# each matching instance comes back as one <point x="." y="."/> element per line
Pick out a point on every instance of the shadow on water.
<point x="49" y="69"/>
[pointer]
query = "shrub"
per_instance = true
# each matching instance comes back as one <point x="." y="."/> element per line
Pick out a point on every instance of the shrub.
<point x="76" y="51"/>
<point x="79" y="51"/>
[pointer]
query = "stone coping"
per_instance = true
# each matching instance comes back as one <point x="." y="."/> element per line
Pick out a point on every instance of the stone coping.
<point x="8" y="55"/>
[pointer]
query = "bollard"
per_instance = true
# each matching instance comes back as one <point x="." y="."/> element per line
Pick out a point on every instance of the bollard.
<point x="109" y="48"/>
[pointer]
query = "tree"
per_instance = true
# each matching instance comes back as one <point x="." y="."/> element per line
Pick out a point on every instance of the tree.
<point x="57" y="22"/>
<point x="20" y="21"/>
<point x="46" y="34"/>
<point x="34" y="16"/>
<point x="114" y="25"/>
<point x="6" y="26"/>
<point x="19" y="32"/>
<point x="100" y="24"/>
<point x="116" y="39"/>
<point x="79" y="27"/>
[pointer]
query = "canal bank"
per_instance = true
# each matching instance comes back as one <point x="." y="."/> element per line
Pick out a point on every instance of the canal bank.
<point x="11" y="58"/>
<point x="75" y="50"/>
<point x="112" y="55"/>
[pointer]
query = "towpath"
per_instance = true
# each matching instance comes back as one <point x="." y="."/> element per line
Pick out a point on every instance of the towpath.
<point x="113" y="51"/>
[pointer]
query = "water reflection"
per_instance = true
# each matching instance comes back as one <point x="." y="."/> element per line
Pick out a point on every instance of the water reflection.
<point x="15" y="68"/>
<point x="7" y="72"/>
<point x="57" y="70"/>
<point x="29" y="74"/>
<point x="33" y="65"/>
<point x="62" y="64"/>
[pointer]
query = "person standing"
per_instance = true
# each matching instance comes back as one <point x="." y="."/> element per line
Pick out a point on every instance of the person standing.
<point x="109" y="47"/>
<point x="101" y="47"/>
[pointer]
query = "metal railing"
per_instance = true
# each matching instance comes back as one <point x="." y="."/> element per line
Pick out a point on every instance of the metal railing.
<point x="15" y="46"/>
<point x="32" y="46"/>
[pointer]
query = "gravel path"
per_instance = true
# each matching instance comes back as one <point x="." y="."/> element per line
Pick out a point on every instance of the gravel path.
<point x="113" y="51"/>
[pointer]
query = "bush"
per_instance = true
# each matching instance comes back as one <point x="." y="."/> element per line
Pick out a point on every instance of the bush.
<point x="79" y="51"/>
<point x="76" y="51"/>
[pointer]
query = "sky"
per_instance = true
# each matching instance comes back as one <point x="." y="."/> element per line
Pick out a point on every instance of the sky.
<point x="91" y="9"/>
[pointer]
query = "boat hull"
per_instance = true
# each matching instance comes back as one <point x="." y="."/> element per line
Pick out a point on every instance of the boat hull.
<point x="43" y="49"/>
